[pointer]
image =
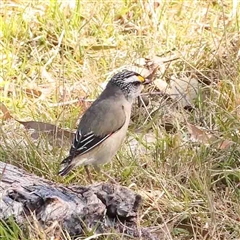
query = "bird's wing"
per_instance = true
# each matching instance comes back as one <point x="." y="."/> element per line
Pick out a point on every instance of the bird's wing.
<point x="96" y="125"/>
<point x="84" y="143"/>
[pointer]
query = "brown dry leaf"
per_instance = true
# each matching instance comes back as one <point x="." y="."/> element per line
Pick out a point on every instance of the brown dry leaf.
<point x="149" y="67"/>
<point x="34" y="93"/>
<point x="225" y="144"/>
<point x="158" y="64"/>
<point x="199" y="134"/>
<point x="5" y="111"/>
<point x="152" y="62"/>
<point x="205" y="137"/>
<point x="48" y="129"/>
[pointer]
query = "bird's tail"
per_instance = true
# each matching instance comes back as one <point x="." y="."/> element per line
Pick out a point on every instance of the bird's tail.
<point x="66" y="166"/>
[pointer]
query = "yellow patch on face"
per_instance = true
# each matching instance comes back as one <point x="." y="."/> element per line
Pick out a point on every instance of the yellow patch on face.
<point x="141" y="79"/>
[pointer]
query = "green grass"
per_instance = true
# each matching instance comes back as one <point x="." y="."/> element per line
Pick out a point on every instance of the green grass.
<point x="190" y="190"/>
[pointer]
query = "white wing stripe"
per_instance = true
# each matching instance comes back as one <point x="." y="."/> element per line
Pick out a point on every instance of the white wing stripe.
<point x="77" y="136"/>
<point x="83" y="146"/>
<point x="85" y="139"/>
<point x="93" y="145"/>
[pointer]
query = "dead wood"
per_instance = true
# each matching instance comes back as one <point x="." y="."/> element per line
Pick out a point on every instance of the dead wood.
<point x="101" y="207"/>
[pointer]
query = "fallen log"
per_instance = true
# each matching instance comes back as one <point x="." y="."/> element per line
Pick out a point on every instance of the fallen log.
<point x="100" y="207"/>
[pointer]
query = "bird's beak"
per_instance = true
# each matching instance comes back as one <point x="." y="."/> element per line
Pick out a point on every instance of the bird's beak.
<point x="146" y="81"/>
<point x="143" y="80"/>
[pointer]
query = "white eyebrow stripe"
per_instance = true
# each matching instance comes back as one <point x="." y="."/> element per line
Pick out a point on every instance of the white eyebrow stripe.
<point x="131" y="79"/>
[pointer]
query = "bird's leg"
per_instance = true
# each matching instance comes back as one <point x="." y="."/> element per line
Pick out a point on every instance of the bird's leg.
<point x="97" y="169"/>
<point x="88" y="174"/>
<point x="119" y="161"/>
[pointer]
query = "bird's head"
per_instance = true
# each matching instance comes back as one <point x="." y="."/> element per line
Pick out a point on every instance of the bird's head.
<point x="131" y="83"/>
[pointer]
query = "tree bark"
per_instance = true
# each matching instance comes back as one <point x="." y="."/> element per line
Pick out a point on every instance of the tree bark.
<point x="100" y="207"/>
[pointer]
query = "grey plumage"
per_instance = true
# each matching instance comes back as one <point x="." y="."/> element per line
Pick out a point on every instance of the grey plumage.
<point x="104" y="125"/>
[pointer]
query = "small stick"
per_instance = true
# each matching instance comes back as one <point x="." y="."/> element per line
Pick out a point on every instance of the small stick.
<point x="88" y="174"/>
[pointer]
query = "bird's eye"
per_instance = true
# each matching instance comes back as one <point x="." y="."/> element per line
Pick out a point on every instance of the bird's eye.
<point x="136" y="83"/>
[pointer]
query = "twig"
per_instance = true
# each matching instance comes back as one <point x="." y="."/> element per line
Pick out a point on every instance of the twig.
<point x="56" y="51"/>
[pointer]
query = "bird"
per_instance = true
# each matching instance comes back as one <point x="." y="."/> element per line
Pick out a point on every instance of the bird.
<point x="103" y="126"/>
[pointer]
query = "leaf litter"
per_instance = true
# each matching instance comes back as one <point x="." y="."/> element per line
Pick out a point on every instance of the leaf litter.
<point x="54" y="133"/>
<point x="206" y="137"/>
<point x="51" y="131"/>
<point x="183" y="90"/>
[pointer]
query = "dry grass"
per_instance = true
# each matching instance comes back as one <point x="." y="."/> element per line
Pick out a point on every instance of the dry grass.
<point x="190" y="189"/>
